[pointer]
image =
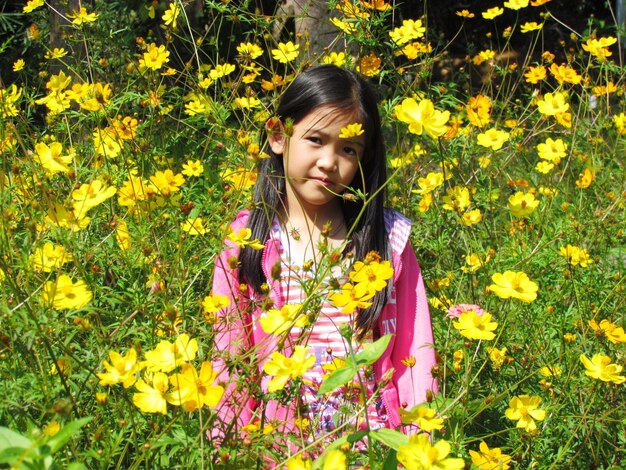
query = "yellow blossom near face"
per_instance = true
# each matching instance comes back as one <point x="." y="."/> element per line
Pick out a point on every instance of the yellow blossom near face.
<point x="530" y="26"/>
<point x="525" y="410"/>
<point x="474" y="326"/>
<point x="283" y="368"/>
<point x="497" y="357"/>
<point x="422" y="416"/>
<point x="408" y="31"/>
<point x="490" y="459"/>
<point x="422" y="117"/>
<point x="351" y="297"/>
<point x="522" y="204"/>
<point x="193" y="390"/>
<point x="56" y="53"/>
<point x="601" y="368"/>
<point x="535" y="74"/>
<point x="493" y="138"/>
<point x="64" y="294"/>
<point x="334" y="58"/>
<point x="565" y="74"/>
<point x="552" y="104"/>
<point x="585" y="179"/>
<point x="166" y="182"/>
<point x="276" y="321"/>
<point x="369" y="65"/>
<point x="335" y="459"/>
<point x="242" y="239"/>
<point x="351" y="130"/>
<point x="166" y="356"/>
<point x="575" y="256"/>
<point x="249" y="51"/>
<point x="155" y="57"/>
<point x="152" y="399"/>
<point x="419" y="454"/>
<point x="515" y="285"/>
<point x="170" y="16"/>
<point x="286" y="52"/>
<point x="49" y="257"/>
<point x="51" y="158"/>
<point x="81" y="16"/>
<point x="32" y="5"/>
<point x="470" y="218"/>
<point x="371" y="276"/>
<point x="492" y="13"/>
<point x="599" y="47"/>
<point x="478" y="110"/>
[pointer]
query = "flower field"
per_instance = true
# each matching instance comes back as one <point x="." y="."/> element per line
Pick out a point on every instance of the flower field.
<point x="129" y="147"/>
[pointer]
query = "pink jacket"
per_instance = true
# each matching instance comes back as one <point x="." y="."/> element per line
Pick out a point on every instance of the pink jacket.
<point x="406" y="315"/>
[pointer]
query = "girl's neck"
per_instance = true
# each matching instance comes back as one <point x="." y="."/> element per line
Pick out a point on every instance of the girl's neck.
<point x="309" y="226"/>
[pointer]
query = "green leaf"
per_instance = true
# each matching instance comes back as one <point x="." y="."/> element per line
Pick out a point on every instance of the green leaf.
<point x="337" y="378"/>
<point x="65" y="434"/>
<point x="372" y="352"/>
<point x="390" y="438"/>
<point x="10" y="455"/>
<point x="391" y="462"/>
<point x="10" y="438"/>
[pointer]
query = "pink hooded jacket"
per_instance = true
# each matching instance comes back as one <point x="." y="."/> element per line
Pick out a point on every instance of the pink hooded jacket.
<point x="406" y="315"/>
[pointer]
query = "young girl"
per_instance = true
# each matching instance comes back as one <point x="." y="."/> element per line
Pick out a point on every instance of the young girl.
<point x="321" y="191"/>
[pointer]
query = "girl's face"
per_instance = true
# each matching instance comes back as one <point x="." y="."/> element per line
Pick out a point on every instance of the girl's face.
<point x="318" y="164"/>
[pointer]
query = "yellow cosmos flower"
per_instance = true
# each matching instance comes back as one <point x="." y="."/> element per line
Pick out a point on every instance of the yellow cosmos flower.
<point x="195" y="390"/>
<point x="456" y="199"/>
<point x="335" y="459"/>
<point x="497" y="357"/>
<point x="429" y="183"/>
<point x="369" y="65"/>
<point x="286" y="52"/>
<point x="525" y="410"/>
<point x="493" y="138"/>
<point x="550" y="371"/>
<point x="81" y="16"/>
<point x="474" y="326"/>
<point x="516" y="4"/>
<point x="473" y="263"/>
<point x="246" y="102"/>
<point x="565" y="74"/>
<point x="335" y="58"/>
<point x="420" y="454"/>
<point x="90" y="195"/>
<point x="379" y="5"/>
<point x="193" y="168"/>
<point x="18" y="65"/>
<point x="492" y="13"/>
<point x="52" y="428"/>
<point x="276" y="321"/>
<point x="479" y="110"/>
<point x="32" y="5"/>
<point x="599" y="47"/>
<point x="490" y="459"/>
<point x="530" y="26"/>
<point x="65" y="294"/>
<point x="408" y="31"/>
<point x="50" y="257"/>
<point x="170" y="16"/>
<point x="221" y="70"/>
<point x="249" y="51"/>
<point x="51" y="159"/>
<point x="122" y="235"/>
<point x="298" y="463"/>
<point x="515" y="285"/>
<point x="601" y="368"/>
<point x="464" y="14"/>
<point x="575" y="256"/>
<point x="215" y="303"/>
<point x="585" y="179"/>
<point x="553" y="104"/>
<point x="121" y="369"/>
<point x="483" y="56"/>
<point x="471" y="217"/>
<point x="351" y="297"/>
<point x="166" y="182"/>
<point x="372" y="276"/>
<point x="422" y="416"/>
<point x="345" y="26"/>
<point x="351" y="130"/>
<point x="552" y="150"/>
<point x="535" y="74"/>
<point x="56" y="53"/>
<point x="422" y="117"/>
<point x="155" y="57"/>
<point x="242" y="239"/>
<point x="194" y="227"/>
<point x="152" y="399"/>
<point x="522" y="204"/>
<point x="610" y="330"/>
<point x="283" y="368"/>
<point x="167" y="356"/>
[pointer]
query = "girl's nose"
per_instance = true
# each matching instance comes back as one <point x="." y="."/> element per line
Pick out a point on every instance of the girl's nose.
<point x="328" y="161"/>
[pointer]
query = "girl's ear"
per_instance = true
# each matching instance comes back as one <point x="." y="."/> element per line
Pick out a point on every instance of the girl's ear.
<point x="276" y="135"/>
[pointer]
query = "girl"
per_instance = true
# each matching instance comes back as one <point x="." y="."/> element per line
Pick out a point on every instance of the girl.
<point x="319" y="208"/>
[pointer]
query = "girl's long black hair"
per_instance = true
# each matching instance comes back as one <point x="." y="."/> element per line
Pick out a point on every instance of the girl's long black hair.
<point x="328" y="85"/>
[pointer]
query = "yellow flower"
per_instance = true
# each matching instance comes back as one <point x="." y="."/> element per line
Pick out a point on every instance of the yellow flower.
<point x="497" y="357"/>
<point x="565" y="74"/>
<point x="155" y="57"/>
<point x="242" y="239"/>
<point x="122" y="369"/>
<point x="483" y="56"/>
<point x="59" y="216"/>
<point x="550" y="371"/>
<point x="298" y="463"/>
<point x="575" y="256"/>
<point x="286" y="52"/>
<point x="283" y="368"/>
<point x="490" y="459"/>
<point x="428" y="184"/>
<point x="350" y="10"/>
<point x="493" y="138"/>
<point x="221" y="70"/>
<point x="552" y="150"/>
<point x="619" y="120"/>
<point x="530" y="26"/>
<point x="152" y="399"/>
<point x="599" y="47"/>
<point x="351" y="297"/>
<point x="32" y="5"/>
<point x="50" y="257"/>
<point x="50" y="158"/>
<point x="90" y="195"/>
<point x="65" y="294"/>
<point x="246" y="102"/>
<point x="276" y="321"/>
<point x="408" y="31"/>
<point x="516" y="4"/>
<point x="478" y="110"/>
<point x="516" y="285"/>
<point x="492" y="13"/>
<point x="600" y="367"/>
<point x="456" y="199"/>
<point x="195" y="390"/>
<point x="194" y="226"/>
<point x="167" y="356"/>
<point x="473" y="263"/>
<point x="464" y="14"/>
<point x="610" y="330"/>
<point x="122" y="235"/>
<point x="552" y="104"/>
<point x="345" y="26"/>
<point x="193" y="168"/>
<point x="166" y="182"/>
<point x="535" y="74"/>
<point x="474" y="326"/>
<point x="18" y="65"/>
<point x="585" y="179"/>
<point x="52" y="428"/>
<point x="419" y="454"/>
<point x="422" y="117"/>
<point x="249" y="51"/>
<point x="56" y="53"/>
<point x="170" y="16"/>
<point x="351" y="130"/>
<point x="379" y="5"/>
<point x="470" y="218"/>
<point x="525" y="410"/>
<point x="334" y="58"/>
<point x="369" y="65"/>
<point x="214" y="303"/>
<point x="81" y="16"/>
<point x="522" y="204"/>
<point x="423" y="417"/>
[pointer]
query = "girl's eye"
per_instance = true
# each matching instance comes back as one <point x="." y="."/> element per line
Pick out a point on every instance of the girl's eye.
<point x="315" y="140"/>
<point x="351" y="151"/>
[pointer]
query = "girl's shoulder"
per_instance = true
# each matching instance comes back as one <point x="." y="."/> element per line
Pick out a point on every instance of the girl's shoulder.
<point x="398" y="229"/>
